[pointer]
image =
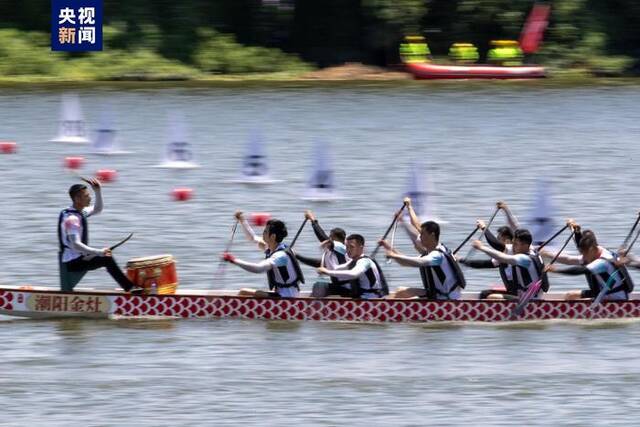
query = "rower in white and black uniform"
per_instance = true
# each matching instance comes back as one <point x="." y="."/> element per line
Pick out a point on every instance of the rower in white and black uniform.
<point x="280" y="264"/>
<point x="441" y="276"/>
<point x="598" y="265"/>
<point x="76" y="257"/>
<point x="364" y="273"/>
<point x="334" y="253"/>
<point x="502" y="243"/>
<point x="527" y="266"/>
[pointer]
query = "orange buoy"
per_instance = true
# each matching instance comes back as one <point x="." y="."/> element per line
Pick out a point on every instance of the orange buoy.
<point x="8" y="147"/>
<point x="106" y="175"/>
<point x="182" y="194"/>
<point x="73" y="162"/>
<point x="259" y="219"/>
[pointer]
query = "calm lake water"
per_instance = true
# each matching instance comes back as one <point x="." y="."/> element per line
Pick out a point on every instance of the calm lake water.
<point x="480" y="143"/>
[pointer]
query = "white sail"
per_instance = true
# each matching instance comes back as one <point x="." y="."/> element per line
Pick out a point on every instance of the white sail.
<point x="321" y="184"/>
<point x="105" y="141"/>
<point x="540" y="220"/>
<point x="421" y="192"/>
<point x="178" y="153"/>
<point x="255" y="169"/>
<point x="72" y="128"/>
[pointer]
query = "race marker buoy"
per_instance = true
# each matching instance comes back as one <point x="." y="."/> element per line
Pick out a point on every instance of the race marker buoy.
<point x="106" y="175"/>
<point x="8" y="147"/>
<point x="259" y="219"/>
<point x="73" y="162"/>
<point x="182" y="194"/>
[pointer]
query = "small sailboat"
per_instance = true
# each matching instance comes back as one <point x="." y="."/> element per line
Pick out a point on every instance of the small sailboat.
<point x="178" y="153"/>
<point x="421" y="192"/>
<point x="72" y="128"/>
<point x="540" y="220"/>
<point x="255" y="169"/>
<point x="105" y="141"/>
<point x="321" y="184"/>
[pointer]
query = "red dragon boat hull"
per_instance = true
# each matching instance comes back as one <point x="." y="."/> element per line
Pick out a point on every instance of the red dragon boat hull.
<point x="44" y="303"/>
<point x="427" y="70"/>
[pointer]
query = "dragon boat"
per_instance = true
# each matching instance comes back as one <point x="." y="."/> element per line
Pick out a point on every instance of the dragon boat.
<point x="429" y="70"/>
<point x="42" y="302"/>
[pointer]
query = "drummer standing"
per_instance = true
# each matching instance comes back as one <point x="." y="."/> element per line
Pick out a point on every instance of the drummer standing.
<point x="76" y="257"/>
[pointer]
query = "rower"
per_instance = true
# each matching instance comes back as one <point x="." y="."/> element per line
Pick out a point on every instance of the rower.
<point x="280" y="264"/>
<point x="364" y="273"/>
<point x="598" y="265"/>
<point x="75" y="256"/>
<point x="441" y="276"/>
<point x="334" y="253"/>
<point x="502" y="243"/>
<point x="527" y="264"/>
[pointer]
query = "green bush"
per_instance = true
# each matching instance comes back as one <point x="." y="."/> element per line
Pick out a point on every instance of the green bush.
<point x="25" y="53"/>
<point x="221" y="54"/>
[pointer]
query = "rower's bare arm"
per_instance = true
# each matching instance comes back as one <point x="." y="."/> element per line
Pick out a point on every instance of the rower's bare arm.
<point x="409" y="261"/>
<point x="499" y="256"/>
<point x="254" y="267"/>
<point x="248" y="231"/>
<point x="511" y="218"/>
<point x="414" y="235"/>
<point x="564" y="259"/>
<point x="415" y="221"/>
<point x="352" y="274"/>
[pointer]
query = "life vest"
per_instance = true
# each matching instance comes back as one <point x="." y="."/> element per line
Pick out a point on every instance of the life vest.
<point x="284" y="273"/>
<point x="428" y="281"/>
<point x="509" y="283"/>
<point x="357" y="290"/>
<point x="626" y="283"/>
<point x="341" y="258"/>
<point x="526" y="277"/>
<point x="85" y="228"/>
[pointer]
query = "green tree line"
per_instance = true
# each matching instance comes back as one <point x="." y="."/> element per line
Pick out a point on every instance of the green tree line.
<point x="201" y="37"/>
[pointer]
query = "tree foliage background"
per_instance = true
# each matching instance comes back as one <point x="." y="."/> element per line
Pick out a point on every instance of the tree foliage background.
<point x="233" y="36"/>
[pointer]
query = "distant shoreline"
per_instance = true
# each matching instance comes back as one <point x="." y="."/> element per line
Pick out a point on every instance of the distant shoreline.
<point x="347" y="74"/>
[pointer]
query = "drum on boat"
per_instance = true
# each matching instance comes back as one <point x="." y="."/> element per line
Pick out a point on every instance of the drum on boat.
<point x="155" y="274"/>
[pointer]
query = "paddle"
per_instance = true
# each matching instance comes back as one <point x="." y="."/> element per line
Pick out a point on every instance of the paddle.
<point x="546" y="242"/>
<point x="597" y="301"/>
<point x="220" y="270"/>
<point x="464" y="242"/>
<point x="626" y="239"/>
<point x="609" y="283"/>
<point x="293" y="242"/>
<point x="393" y="240"/>
<point x="121" y="242"/>
<point x="534" y="287"/>
<point x="386" y="233"/>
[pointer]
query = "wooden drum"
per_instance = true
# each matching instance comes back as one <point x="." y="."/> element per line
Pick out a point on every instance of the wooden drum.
<point x="155" y="274"/>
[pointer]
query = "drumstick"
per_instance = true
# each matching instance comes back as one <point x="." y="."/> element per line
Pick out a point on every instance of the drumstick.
<point x="121" y="242"/>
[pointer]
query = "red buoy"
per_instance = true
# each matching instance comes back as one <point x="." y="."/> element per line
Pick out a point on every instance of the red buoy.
<point x="106" y="175"/>
<point x="8" y="147"/>
<point x="182" y="194"/>
<point x="73" y="162"/>
<point x="259" y="219"/>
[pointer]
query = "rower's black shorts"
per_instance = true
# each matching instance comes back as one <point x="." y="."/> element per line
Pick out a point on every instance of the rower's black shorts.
<point x="588" y="293"/>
